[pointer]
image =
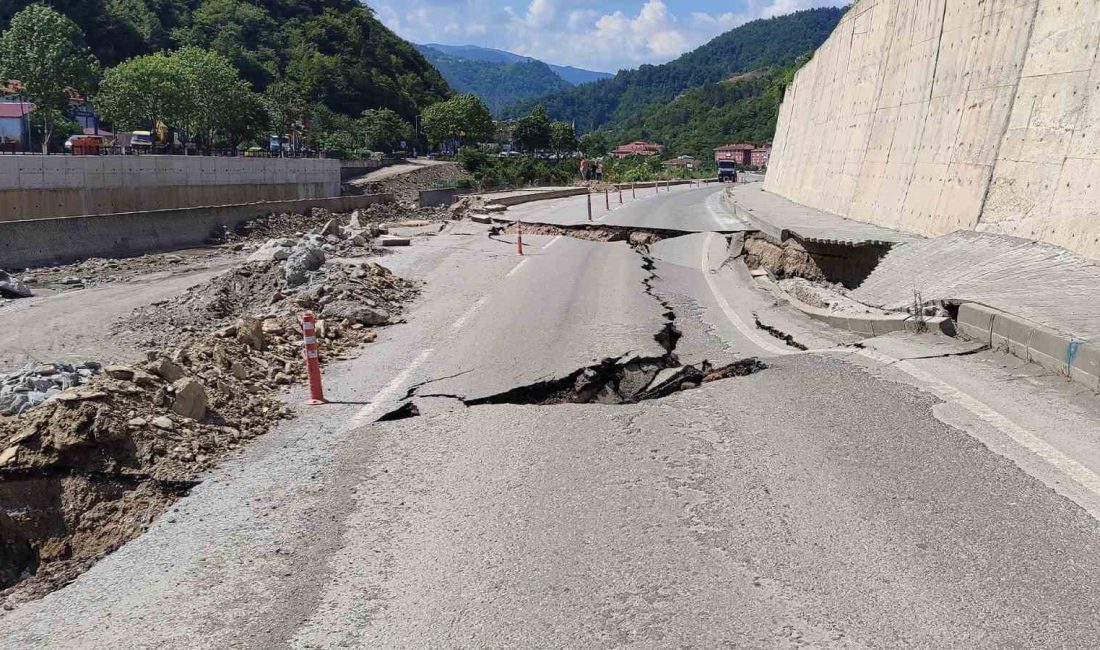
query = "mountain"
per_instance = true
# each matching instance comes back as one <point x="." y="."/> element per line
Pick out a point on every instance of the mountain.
<point x="498" y="83"/>
<point x="630" y="93"/>
<point x="574" y="76"/>
<point x="336" y="51"/>
<point x="578" y="76"/>
<point x="744" y="108"/>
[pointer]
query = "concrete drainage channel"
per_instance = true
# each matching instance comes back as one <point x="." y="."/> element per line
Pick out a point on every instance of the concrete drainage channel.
<point x="614" y="380"/>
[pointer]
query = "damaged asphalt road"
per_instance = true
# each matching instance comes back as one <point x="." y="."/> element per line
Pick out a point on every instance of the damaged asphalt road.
<point x="586" y="502"/>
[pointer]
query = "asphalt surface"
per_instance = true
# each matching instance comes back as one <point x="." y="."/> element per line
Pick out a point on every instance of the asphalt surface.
<point x="830" y="500"/>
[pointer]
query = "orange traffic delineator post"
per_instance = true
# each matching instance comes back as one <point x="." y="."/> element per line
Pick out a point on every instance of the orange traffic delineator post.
<point x="633" y="194"/>
<point x="313" y="360"/>
<point x="590" y="206"/>
<point x="606" y="198"/>
<point x="519" y="236"/>
<point x="620" y="196"/>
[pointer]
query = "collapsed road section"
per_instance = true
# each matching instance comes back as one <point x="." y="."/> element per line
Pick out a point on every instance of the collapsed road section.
<point x="613" y="380"/>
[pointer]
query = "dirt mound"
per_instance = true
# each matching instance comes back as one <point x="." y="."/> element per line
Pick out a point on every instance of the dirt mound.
<point x="93" y="466"/>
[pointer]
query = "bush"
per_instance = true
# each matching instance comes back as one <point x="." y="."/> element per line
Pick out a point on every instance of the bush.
<point x="489" y="171"/>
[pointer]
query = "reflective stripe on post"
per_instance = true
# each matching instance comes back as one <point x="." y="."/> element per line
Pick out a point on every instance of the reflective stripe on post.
<point x="313" y="361"/>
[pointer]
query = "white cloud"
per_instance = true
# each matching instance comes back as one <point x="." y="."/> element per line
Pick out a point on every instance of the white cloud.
<point x="577" y="32"/>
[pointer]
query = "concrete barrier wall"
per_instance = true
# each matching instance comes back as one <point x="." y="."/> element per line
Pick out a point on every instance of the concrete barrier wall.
<point x="937" y="115"/>
<point x="39" y="242"/>
<point x="45" y="187"/>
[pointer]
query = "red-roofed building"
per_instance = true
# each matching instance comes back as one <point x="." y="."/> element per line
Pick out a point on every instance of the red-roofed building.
<point x="740" y="153"/>
<point x="637" y="148"/>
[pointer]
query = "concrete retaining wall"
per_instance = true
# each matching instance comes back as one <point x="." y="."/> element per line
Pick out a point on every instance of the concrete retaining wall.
<point x="433" y="198"/>
<point x="38" y="242"/>
<point x="938" y="115"/>
<point x="46" y="187"/>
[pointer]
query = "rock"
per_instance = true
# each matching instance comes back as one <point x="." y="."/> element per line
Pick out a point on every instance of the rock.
<point x="354" y="312"/>
<point x="271" y="250"/>
<point x="140" y="422"/>
<point x="190" y="400"/>
<point x="357" y="220"/>
<point x="167" y="370"/>
<point x="250" y="332"/>
<point x="124" y="373"/>
<point x="332" y="228"/>
<point x="306" y="257"/>
<point x="143" y="379"/>
<point x="9" y="455"/>
<point x="390" y="240"/>
<point x="13" y="287"/>
<point x="238" y="370"/>
<point x="164" y="422"/>
<point x="359" y="240"/>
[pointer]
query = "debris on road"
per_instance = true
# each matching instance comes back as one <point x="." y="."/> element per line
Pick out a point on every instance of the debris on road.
<point x="13" y="287"/>
<point x="94" y="454"/>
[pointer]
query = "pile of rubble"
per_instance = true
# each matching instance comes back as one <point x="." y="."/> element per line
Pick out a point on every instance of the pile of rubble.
<point x="115" y="445"/>
<point x="24" y="389"/>
<point x="282" y="278"/>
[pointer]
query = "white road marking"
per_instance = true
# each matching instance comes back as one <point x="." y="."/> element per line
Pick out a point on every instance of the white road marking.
<point x="457" y="325"/>
<point x="1080" y="474"/>
<point x="516" y="268"/>
<point x="552" y="242"/>
<point x="365" y="413"/>
<point x="743" y="327"/>
<point x="1026" y="439"/>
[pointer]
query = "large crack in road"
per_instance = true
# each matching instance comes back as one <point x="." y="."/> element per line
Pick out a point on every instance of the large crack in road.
<point x="613" y="380"/>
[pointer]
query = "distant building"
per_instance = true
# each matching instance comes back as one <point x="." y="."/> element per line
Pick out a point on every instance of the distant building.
<point x="14" y="125"/>
<point x="761" y="155"/>
<point x="740" y="153"/>
<point x="683" y="162"/>
<point x="637" y="148"/>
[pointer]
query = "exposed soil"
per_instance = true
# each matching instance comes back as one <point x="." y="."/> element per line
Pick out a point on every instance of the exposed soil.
<point x="93" y="466"/>
<point x="406" y="186"/>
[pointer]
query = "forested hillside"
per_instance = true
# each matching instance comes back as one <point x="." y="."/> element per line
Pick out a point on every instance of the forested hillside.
<point x="498" y="84"/>
<point x="334" y="52"/>
<point x="632" y="93"/>
<point x="742" y="109"/>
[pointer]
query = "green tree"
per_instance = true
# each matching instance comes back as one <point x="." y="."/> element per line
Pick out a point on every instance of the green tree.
<point x="464" y="119"/>
<point x="196" y="92"/>
<point x="563" y="139"/>
<point x="287" y="107"/>
<point x="140" y="92"/>
<point x="593" y="145"/>
<point x="45" y="52"/>
<point x="384" y="129"/>
<point x="533" y="132"/>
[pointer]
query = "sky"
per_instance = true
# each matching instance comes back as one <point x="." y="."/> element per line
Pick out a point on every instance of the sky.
<point x="608" y="36"/>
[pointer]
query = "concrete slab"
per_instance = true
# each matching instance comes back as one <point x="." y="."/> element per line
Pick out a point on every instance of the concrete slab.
<point x="910" y="345"/>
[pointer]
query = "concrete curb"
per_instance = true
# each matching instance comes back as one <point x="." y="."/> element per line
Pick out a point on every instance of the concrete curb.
<point x="870" y="324"/>
<point x="650" y="184"/>
<point x="520" y="199"/>
<point x="1061" y="353"/>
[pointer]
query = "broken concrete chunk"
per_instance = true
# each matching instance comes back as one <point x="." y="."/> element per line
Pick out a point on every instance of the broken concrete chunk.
<point x="164" y="422"/>
<point x="272" y="250"/>
<point x="13" y="287"/>
<point x="390" y="240"/>
<point x="123" y="373"/>
<point x="190" y="398"/>
<point x="307" y="256"/>
<point x="250" y="332"/>
<point x="167" y="370"/>
<point x="354" y="312"/>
